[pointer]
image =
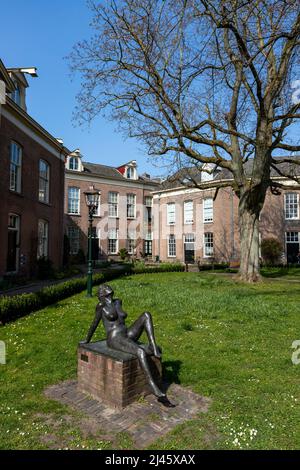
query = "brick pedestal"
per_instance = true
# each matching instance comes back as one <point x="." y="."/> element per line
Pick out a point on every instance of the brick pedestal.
<point x="112" y="376"/>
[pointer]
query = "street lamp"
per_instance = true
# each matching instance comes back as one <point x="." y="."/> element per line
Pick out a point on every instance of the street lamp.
<point x="92" y="202"/>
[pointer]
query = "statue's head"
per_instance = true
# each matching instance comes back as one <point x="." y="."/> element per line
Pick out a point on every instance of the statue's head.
<point x="104" y="291"/>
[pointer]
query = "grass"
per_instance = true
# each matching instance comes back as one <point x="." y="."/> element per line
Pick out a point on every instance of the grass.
<point x="226" y="340"/>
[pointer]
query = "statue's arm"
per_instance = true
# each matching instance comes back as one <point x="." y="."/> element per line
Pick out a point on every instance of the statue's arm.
<point x="98" y="316"/>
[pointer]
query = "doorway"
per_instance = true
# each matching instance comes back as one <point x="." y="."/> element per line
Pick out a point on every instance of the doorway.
<point x="189" y="248"/>
<point x="292" y="247"/>
<point x="13" y="242"/>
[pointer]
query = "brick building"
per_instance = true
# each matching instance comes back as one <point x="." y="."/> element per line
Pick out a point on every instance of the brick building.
<point x="191" y="225"/>
<point x="31" y="183"/>
<point x="124" y="218"/>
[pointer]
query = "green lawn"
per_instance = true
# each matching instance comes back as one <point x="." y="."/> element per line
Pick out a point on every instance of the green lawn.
<point x="225" y="340"/>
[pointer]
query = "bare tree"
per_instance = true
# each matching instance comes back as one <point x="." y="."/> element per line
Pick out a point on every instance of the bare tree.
<point x="204" y="82"/>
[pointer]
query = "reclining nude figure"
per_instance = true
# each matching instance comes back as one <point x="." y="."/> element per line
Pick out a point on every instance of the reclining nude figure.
<point x="124" y="339"/>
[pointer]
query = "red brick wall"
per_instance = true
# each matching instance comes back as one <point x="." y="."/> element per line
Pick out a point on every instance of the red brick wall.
<point x="26" y="204"/>
<point x="104" y="223"/>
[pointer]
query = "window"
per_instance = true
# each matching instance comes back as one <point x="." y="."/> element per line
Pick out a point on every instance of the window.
<point x="113" y="204"/>
<point x="15" y="167"/>
<point x="73" y="200"/>
<point x="208" y="210"/>
<point x="171" y="213"/>
<point x="131" y="206"/>
<point x="148" y="244"/>
<point x="73" y="163"/>
<point x="208" y="244"/>
<point x="188" y="210"/>
<point x="171" y="246"/>
<point x="113" y="241"/>
<point x="189" y="238"/>
<point x="43" y="181"/>
<point x="130" y="173"/>
<point x="16" y="94"/>
<point x="292" y="237"/>
<point x="13" y="243"/>
<point x="148" y="204"/>
<point x="42" y="239"/>
<point x="292" y="206"/>
<point x="74" y="234"/>
<point x="131" y="241"/>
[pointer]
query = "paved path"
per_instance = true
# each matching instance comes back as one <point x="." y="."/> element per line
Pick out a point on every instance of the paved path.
<point x="38" y="285"/>
<point x="145" y="420"/>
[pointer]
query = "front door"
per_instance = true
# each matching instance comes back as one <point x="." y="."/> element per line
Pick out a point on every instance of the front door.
<point x="292" y="247"/>
<point x="12" y="251"/>
<point x="189" y="248"/>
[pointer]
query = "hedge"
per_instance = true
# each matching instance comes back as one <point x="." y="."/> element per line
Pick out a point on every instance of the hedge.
<point x="160" y="268"/>
<point x="13" y="307"/>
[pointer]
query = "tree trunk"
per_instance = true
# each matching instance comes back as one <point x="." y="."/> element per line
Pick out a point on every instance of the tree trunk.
<point x="250" y="205"/>
<point x="249" y="246"/>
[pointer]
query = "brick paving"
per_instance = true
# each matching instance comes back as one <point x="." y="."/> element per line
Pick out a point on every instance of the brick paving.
<point x="145" y="420"/>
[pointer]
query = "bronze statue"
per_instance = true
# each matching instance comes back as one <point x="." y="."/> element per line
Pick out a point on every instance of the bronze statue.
<point x="124" y="339"/>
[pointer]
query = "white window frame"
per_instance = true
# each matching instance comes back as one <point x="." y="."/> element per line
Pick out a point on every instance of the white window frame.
<point x="98" y="211"/>
<point x="291" y="205"/>
<point x="45" y="181"/>
<point x="113" y="214"/>
<point x="74" y="159"/>
<point x="131" y="203"/>
<point x="43" y="243"/>
<point x="74" y="240"/>
<point x="71" y="199"/>
<point x="208" y="244"/>
<point x="188" y="212"/>
<point x="171" y="246"/>
<point x="207" y="219"/>
<point x="15" y="167"/>
<point x="113" y="234"/>
<point x="130" y="173"/>
<point x="292" y="241"/>
<point x="171" y="214"/>
<point x="131" y="242"/>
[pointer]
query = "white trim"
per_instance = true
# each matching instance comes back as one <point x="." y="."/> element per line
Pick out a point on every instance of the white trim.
<point x="79" y="201"/>
<point x="205" y="255"/>
<point x="33" y="135"/>
<point x="285" y="211"/>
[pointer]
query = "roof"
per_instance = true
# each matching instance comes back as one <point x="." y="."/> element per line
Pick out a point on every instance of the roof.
<point x="111" y="172"/>
<point x="5" y="76"/>
<point x="193" y="174"/>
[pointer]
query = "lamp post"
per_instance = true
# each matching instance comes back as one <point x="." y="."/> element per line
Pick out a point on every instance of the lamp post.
<point x="92" y="202"/>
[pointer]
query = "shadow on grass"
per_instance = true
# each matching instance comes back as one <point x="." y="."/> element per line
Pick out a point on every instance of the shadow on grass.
<point x="170" y="372"/>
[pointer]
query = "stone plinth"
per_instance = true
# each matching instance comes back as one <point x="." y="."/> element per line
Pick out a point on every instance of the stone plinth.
<point x="111" y="376"/>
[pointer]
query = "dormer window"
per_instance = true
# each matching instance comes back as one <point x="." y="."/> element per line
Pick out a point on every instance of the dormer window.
<point x="16" y="94"/>
<point x="73" y="163"/>
<point x="130" y="173"/>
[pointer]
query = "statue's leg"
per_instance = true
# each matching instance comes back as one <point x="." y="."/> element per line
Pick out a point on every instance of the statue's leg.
<point x="144" y="322"/>
<point x="124" y="344"/>
<point x="93" y="326"/>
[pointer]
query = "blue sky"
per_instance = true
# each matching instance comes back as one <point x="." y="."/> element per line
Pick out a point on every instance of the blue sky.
<point x="41" y="33"/>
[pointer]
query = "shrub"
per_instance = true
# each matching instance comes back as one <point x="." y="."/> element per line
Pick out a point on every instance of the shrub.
<point x="140" y="268"/>
<point x="271" y="250"/>
<point x="18" y="306"/>
<point x="123" y="253"/>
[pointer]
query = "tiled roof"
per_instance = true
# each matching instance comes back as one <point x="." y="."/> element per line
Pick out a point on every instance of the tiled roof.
<point x="181" y="177"/>
<point x="106" y="171"/>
